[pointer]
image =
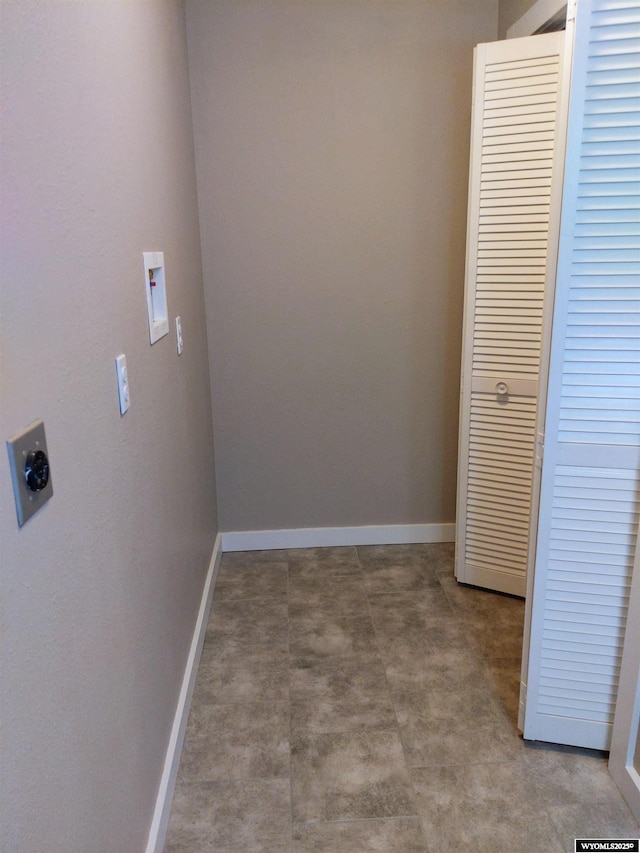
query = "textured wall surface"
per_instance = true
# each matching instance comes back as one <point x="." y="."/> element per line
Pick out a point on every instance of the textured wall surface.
<point x="100" y="590"/>
<point x="332" y="147"/>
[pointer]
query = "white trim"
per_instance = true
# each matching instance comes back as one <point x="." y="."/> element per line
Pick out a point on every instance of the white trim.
<point x="626" y="722"/>
<point x="535" y="17"/>
<point x="325" y="537"/>
<point x="493" y="579"/>
<point x="160" y="821"/>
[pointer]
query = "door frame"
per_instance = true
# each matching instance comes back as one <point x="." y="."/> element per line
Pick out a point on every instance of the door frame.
<point x="624" y="757"/>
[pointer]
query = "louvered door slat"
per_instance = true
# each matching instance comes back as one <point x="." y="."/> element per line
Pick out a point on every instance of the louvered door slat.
<point x="589" y="508"/>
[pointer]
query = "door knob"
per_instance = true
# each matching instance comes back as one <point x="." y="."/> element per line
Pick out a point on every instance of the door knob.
<point x="502" y="388"/>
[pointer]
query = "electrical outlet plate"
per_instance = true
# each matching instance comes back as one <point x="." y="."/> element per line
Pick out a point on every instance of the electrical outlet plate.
<point x="19" y="446"/>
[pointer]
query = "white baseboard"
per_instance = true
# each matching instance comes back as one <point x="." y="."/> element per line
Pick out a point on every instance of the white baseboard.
<point x="325" y="537"/>
<point x="160" y="822"/>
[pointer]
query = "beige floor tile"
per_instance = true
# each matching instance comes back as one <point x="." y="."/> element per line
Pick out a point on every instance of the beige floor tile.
<point x="481" y="808"/>
<point x="352" y="775"/>
<point x="344" y="695"/>
<point x="318" y="677"/>
<point x="244" y="816"/>
<point x="382" y="577"/>
<point x="327" y="673"/>
<point x="472" y="600"/>
<point x="406" y="649"/>
<point x="232" y="673"/>
<point x="455" y="727"/>
<point x="317" y="601"/>
<point x="417" y="554"/>
<point x="249" y="622"/>
<point x="236" y="741"/>
<point x="261" y="580"/>
<point x="441" y="556"/>
<point x="399" y="610"/>
<point x="340" y="560"/>
<point x="602" y="820"/>
<point x="416" y="673"/>
<point x="503" y="677"/>
<point x="311" y="578"/>
<point x="385" y="835"/>
<point x="565" y="776"/>
<point x="495" y="636"/>
<point x="327" y="637"/>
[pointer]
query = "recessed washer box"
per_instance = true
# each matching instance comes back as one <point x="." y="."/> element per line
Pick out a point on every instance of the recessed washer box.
<point x="156" y="288"/>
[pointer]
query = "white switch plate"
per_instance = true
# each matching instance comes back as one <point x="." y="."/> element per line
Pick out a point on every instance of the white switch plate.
<point x="123" y="383"/>
<point x="179" y="335"/>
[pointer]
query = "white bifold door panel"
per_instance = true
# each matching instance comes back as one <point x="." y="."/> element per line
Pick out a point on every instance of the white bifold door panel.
<point x="516" y="114"/>
<point x="590" y="486"/>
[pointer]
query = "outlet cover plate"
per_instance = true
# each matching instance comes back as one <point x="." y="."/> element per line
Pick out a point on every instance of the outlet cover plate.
<point x="18" y="446"/>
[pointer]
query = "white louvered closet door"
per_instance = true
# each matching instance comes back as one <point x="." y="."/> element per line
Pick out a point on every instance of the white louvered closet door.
<point x="590" y="490"/>
<point x="514" y="130"/>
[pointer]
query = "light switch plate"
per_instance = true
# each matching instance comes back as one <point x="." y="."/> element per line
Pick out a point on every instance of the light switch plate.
<point x="28" y="502"/>
<point x="123" y="383"/>
<point x="179" y="335"/>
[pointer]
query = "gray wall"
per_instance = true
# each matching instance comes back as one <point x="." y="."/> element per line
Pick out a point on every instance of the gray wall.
<point x="332" y="146"/>
<point x="100" y="590"/>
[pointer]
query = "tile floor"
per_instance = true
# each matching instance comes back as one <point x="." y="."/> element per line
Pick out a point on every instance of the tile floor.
<point x="358" y="699"/>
